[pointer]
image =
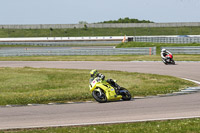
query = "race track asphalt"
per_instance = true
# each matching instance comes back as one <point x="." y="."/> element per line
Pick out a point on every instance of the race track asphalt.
<point x="155" y="108"/>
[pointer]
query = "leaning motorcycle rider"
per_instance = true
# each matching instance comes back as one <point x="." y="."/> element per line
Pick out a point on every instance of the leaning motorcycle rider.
<point x="163" y="53"/>
<point x="94" y="74"/>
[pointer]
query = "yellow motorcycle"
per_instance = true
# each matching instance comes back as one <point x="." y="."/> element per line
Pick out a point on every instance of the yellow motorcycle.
<point x="102" y="91"/>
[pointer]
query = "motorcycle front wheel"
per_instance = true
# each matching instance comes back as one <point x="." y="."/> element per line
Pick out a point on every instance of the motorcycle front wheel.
<point x="99" y="98"/>
<point x="164" y="61"/>
<point x="126" y="95"/>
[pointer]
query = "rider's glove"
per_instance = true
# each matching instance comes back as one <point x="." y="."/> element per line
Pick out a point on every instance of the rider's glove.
<point x="102" y="77"/>
<point x="98" y="79"/>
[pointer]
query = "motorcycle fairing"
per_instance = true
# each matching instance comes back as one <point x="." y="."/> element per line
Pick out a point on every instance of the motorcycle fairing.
<point x="106" y="87"/>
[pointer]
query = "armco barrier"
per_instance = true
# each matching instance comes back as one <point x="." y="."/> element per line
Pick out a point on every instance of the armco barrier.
<point x="67" y="43"/>
<point x="183" y="50"/>
<point x="166" y="39"/>
<point x="78" y="51"/>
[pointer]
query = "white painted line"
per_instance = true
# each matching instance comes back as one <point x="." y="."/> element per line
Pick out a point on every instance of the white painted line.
<point x="70" y="102"/>
<point x="186" y="90"/>
<point x="197" y="82"/>
<point x="100" y="123"/>
<point x="89" y="101"/>
<point x="51" y="103"/>
<point x="188" y="61"/>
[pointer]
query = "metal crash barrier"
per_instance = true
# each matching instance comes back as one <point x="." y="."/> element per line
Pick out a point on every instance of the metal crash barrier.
<point x="184" y="50"/>
<point x="77" y="51"/>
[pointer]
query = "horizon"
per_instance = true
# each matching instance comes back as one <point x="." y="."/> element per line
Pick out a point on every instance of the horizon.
<point x="101" y="23"/>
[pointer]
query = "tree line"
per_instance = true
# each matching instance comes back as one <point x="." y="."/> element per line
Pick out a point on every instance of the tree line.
<point x="127" y="20"/>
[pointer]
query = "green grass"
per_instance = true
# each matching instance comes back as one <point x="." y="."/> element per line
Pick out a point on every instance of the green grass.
<point x="100" y="58"/>
<point x="169" y="126"/>
<point x="151" y="44"/>
<point x="100" y="32"/>
<point x="42" y="85"/>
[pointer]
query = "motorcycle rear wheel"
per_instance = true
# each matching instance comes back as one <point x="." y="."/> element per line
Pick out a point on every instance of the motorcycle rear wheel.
<point x="99" y="98"/>
<point x="126" y="96"/>
<point x="173" y="62"/>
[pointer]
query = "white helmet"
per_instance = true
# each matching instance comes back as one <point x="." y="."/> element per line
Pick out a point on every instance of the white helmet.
<point x="163" y="50"/>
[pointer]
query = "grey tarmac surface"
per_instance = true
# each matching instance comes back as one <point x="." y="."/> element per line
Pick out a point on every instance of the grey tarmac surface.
<point x="189" y="70"/>
<point x="158" y="108"/>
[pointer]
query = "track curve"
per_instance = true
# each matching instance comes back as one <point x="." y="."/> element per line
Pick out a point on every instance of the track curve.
<point x="182" y="106"/>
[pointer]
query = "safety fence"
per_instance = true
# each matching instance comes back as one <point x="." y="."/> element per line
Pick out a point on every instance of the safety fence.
<point x="77" y="51"/>
<point x="165" y="39"/>
<point x="184" y="50"/>
<point x="98" y="25"/>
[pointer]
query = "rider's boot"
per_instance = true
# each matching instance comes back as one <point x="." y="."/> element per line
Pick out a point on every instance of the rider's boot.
<point x="117" y="88"/>
<point x="114" y="85"/>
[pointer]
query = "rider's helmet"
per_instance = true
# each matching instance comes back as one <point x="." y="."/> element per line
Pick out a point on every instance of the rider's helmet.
<point x="93" y="73"/>
<point x="163" y="50"/>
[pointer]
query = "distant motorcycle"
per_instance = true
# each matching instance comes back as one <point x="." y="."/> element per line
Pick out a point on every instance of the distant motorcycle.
<point x="102" y="91"/>
<point x="168" y="59"/>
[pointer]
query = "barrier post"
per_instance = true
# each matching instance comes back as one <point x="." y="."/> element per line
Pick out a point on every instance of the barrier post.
<point x="149" y="51"/>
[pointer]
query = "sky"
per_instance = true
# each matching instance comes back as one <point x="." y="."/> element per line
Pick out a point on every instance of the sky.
<point x="93" y="11"/>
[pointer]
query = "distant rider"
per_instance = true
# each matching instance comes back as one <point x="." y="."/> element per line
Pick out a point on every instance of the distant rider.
<point x="94" y="74"/>
<point x="163" y="54"/>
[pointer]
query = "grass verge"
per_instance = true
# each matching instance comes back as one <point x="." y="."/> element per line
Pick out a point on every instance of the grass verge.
<point x="131" y="31"/>
<point x="169" y="126"/>
<point x="41" y="85"/>
<point x="100" y="58"/>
